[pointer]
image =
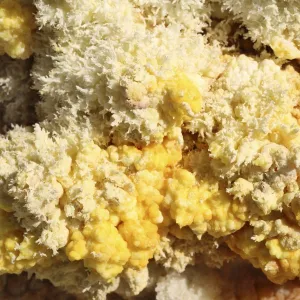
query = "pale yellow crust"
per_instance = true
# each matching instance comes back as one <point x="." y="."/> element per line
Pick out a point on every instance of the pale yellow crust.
<point x="16" y="28"/>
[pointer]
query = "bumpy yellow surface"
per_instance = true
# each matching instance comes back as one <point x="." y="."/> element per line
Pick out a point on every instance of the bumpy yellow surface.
<point x="110" y="208"/>
<point x="277" y="262"/>
<point x="113" y="206"/>
<point x="65" y="199"/>
<point x="18" y="250"/>
<point x="16" y="26"/>
<point x="183" y="98"/>
<point x="201" y="205"/>
<point x="100" y="245"/>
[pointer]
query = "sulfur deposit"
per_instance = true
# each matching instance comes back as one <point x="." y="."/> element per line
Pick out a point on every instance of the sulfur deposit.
<point x="156" y="143"/>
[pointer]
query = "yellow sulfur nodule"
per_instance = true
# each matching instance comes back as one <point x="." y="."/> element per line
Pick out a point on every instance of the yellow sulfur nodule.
<point x="16" y="26"/>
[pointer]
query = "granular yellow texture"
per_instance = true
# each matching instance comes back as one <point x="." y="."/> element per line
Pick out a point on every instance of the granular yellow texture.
<point x="18" y="251"/>
<point x="101" y="247"/>
<point x="154" y="142"/>
<point x="110" y="207"/>
<point x="276" y="261"/>
<point x="16" y="26"/>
